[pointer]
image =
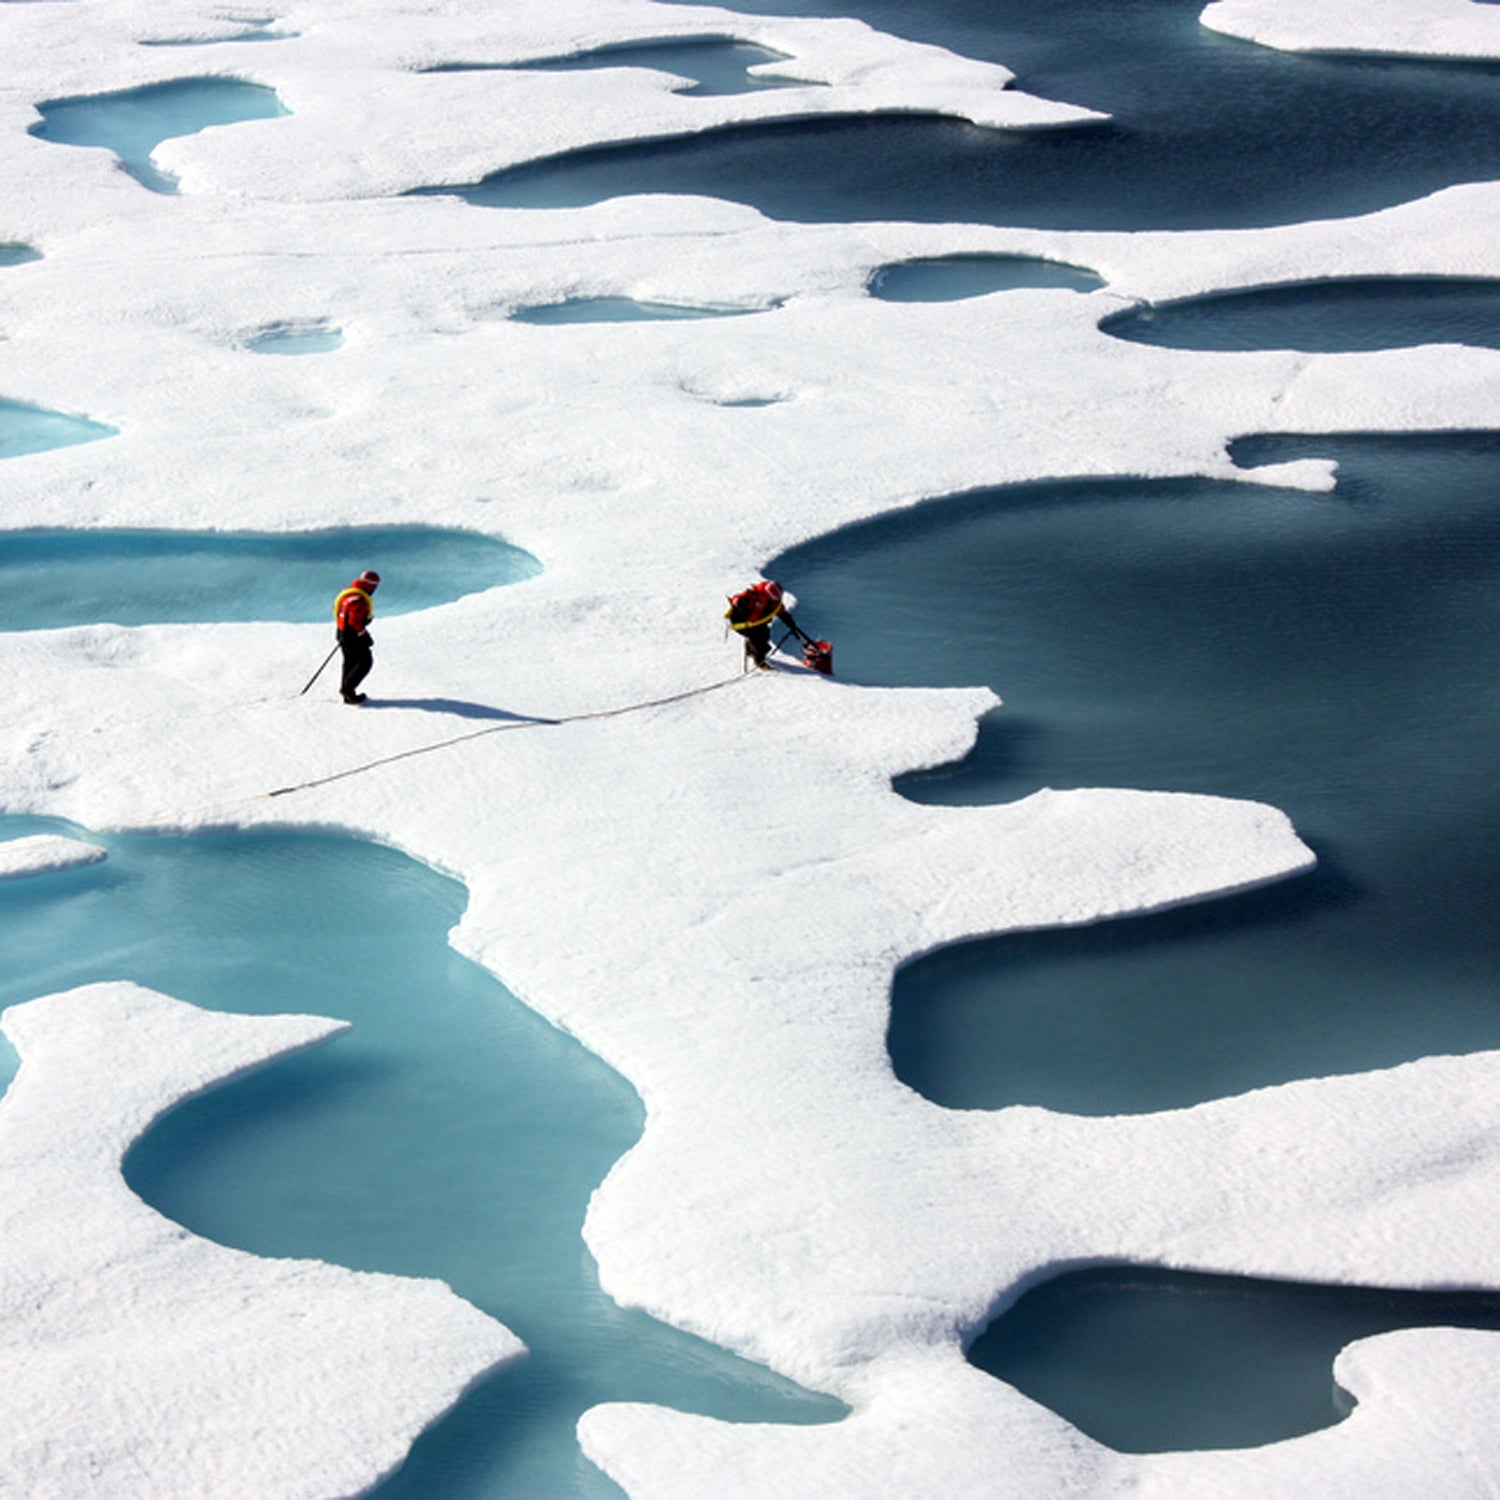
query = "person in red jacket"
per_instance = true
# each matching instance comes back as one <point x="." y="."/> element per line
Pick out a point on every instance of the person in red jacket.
<point x="751" y="611"/>
<point x="352" y="612"/>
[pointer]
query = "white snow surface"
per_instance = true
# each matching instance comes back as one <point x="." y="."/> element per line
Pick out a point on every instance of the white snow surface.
<point x="712" y="892"/>
<point x="43" y="853"/>
<point x="1412" y="28"/>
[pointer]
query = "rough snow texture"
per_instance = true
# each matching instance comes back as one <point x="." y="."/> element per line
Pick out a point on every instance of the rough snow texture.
<point x="714" y="892"/>
<point x="43" y="853"/>
<point x="139" y="1360"/>
<point x="1413" y="28"/>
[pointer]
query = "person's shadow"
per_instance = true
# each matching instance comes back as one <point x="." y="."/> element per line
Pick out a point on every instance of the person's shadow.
<point x="456" y="707"/>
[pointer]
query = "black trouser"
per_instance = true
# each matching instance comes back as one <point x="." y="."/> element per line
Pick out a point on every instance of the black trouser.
<point x="359" y="657"/>
<point x="757" y="642"/>
<point x="758" y="637"/>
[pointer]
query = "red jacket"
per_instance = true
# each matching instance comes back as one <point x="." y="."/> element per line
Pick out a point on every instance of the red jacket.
<point x="757" y="605"/>
<point x="353" y="609"/>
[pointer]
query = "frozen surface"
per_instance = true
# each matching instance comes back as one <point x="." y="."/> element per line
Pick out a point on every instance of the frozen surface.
<point x="139" y="1360"/>
<point x="1414" y="28"/>
<point x="41" y="854"/>
<point x="706" y="877"/>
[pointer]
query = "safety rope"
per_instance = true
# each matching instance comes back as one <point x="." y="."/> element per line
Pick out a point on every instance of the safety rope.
<point x="459" y="739"/>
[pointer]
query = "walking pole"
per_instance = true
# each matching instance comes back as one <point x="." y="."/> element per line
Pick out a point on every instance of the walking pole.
<point x="791" y="630"/>
<point x="319" y="672"/>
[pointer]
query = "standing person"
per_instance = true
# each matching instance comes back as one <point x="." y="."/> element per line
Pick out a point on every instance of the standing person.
<point x="352" y="612"/>
<point x="751" y="612"/>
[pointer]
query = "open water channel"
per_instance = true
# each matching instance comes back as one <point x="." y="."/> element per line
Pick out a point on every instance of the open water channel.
<point x="1334" y="655"/>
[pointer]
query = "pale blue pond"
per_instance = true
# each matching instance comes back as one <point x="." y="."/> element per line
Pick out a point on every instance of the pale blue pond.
<point x="1388" y="312"/>
<point x="34" y="429"/>
<point x="951" y="278"/>
<point x="717" y="65"/>
<point x="452" y="1133"/>
<point x="620" y="310"/>
<point x="134" y="122"/>
<point x="292" y="338"/>
<point x="50" y="579"/>
<point x="1151" y="1361"/>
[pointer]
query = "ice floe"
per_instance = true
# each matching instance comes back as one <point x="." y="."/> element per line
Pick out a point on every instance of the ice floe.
<point x="42" y="853"/>
<point x="1410" y="28"/>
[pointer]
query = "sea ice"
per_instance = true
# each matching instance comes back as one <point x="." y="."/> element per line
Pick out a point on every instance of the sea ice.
<point x="705" y="876"/>
<point x="1410" y="28"/>
<point x="43" y="853"/>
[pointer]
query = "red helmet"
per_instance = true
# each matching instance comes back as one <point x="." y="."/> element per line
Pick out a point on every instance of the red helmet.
<point x="773" y="592"/>
<point x="369" y="579"/>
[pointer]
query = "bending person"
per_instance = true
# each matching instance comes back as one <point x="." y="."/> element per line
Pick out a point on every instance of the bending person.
<point x="751" y="611"/>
